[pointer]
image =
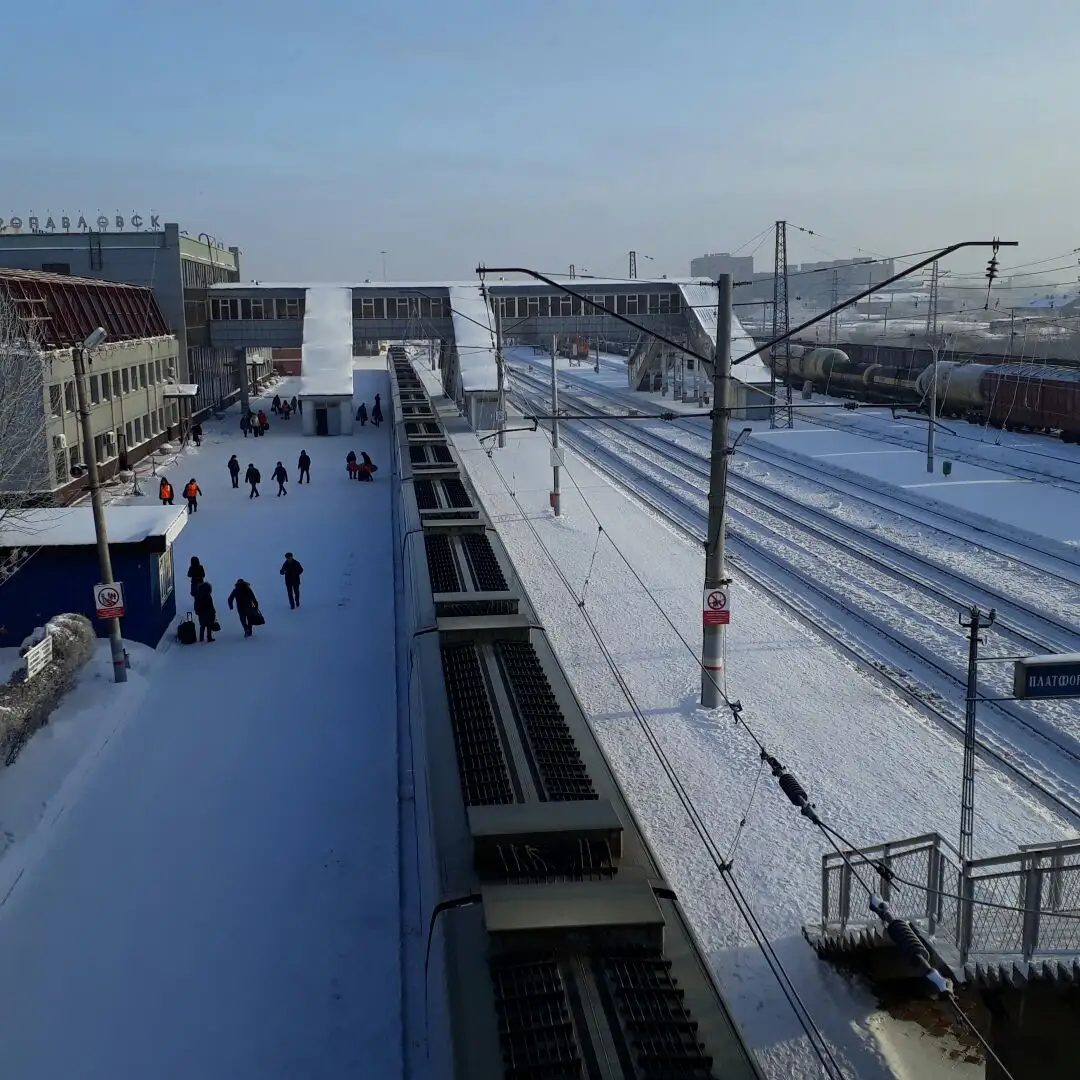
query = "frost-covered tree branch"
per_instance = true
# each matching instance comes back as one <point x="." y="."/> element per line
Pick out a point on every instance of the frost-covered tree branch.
<point x="24" y="459"/>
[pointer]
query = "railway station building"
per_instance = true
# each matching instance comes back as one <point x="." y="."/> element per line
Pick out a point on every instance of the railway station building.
<point x="177" y="268"/>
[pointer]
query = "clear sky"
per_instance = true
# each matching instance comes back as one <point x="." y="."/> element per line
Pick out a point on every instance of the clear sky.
<point x="314" y="135"/>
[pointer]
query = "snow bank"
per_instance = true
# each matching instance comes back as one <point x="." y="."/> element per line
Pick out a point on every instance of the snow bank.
<point x="474" y="334"/>
<point x="326" y="354"/>
<point x="26" y="706"/>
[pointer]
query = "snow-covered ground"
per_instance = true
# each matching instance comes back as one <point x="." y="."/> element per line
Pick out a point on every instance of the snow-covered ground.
<point x="200" y="866"/>
<point x="875" y="768"/>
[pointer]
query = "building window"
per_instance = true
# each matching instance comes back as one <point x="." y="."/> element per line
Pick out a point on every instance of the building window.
<point x="125" y="380"/>
<point x="157" y="371"/>
<point x="245" y="308"/>
<point x="56" y="268"/>
<point x="106" y="386"/>
<point x="56" y="399"/>
<point x="69" y="396"/>
<point x="73" y="459"/>
<point x="143" y="381"/>
<point x="95" y="393"/>
<point x="116" y="383"/>
<point x="257" y="308"/>
<point x="129" y="440"/>
<point x="166" y="577"/>
<point x="676" y="303"/>
<point x="138" y="430"/>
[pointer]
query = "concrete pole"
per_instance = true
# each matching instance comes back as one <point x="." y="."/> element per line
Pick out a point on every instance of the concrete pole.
<point x="555" y="498"/>
<point x="116" y="642"/>
<point x="245" y="398"/>
<point x="716" y="580"/>
<point x="500" y="367"/>
<point x="975" y="623"/>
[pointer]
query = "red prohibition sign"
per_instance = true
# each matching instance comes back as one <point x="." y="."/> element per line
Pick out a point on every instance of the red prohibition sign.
<point x="717" y="601"/>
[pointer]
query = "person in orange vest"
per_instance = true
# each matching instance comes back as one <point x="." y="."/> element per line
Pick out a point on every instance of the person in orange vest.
<point x="192" y="493"/>
<point x="165" y="492"/>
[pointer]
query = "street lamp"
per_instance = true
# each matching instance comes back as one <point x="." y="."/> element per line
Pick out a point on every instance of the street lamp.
<point x="79" y="361"/>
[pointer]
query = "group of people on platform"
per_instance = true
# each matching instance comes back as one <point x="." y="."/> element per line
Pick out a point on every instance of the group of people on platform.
<point x="192" y="491"/>
<point x="242" y="598"/>
<point x="376" y="412"/>
<point x="285" y="408"/>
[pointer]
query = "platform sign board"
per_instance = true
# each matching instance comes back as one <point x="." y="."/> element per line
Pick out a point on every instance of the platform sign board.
<point x="109" y="600"/>
<point x="1056" y="675"/>
<point x="716" y="607"/>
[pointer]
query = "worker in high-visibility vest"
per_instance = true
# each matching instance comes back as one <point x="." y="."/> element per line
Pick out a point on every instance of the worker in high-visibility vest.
<point x="192" y="493"/>
<point x="165" y="492"/>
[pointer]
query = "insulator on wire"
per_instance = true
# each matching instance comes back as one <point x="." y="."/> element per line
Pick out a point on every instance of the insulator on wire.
<point x="907" y="939"/>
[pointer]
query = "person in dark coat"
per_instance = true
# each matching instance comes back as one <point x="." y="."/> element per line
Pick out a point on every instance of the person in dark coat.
<point x="234" y="471"/>
<point x="205" y="611"/>
<point x="245" y="423"/>
<point x="197" y="574"/>
<point x="243" y="596"/>
<point x="296" y="409"/>
<point x="280" y="475"/>
<point x="367" y="468"/>
<point x="376" y="411"/>
<point x="253" y="478"/>
<point x="275" y="405"/>
<point x="291" y="571"/>
<point x="361" y="413"/>
<point x="303" y="465"/>
<point x="350" y="464"/>
<point x="196" y="433"/>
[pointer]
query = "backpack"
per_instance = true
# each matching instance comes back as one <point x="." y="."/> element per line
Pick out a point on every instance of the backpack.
<point x="186" y="633"/>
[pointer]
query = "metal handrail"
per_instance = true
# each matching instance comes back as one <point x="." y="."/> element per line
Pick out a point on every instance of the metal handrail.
<point x="1018" y="905"/>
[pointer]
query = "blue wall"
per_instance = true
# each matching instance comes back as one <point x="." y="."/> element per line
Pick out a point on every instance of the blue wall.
<point x="62" y="579"/>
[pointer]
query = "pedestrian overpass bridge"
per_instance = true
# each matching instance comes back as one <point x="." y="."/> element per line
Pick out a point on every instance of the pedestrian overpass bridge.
<point x="463" y="319"/>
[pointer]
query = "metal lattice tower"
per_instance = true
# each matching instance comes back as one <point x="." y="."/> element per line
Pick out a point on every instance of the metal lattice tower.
<point x="834" y="319"/>
<point x="781" y="323"/>
<point x="633" y="265"/>
<point x="932" y="307"/>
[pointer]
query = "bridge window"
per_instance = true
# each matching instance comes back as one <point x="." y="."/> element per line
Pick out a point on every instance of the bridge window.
<point x="261" y="309"/>
<point x="676" y="303"/>
<point x="654" y="304"/>
<point x="545" y="306"/>
<point x="245" y="308"/>
<point x="620" y="304"/>
<point x="609" y="303"/>
<point x="223" y="308"/>
<point x="533" y="306"/>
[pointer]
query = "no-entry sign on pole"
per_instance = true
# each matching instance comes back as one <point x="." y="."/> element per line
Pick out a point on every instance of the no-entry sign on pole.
<point x="109" y="600"/>
<point x="715" y="608"/>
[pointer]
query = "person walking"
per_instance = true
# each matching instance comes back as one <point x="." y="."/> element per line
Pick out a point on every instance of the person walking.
<point x="376" y="411"/>
<point x="247" y="606"/>
<point x="245" y="423"/>
<point x="197" y="574"/>
<point x="350" y="464"/>
<point x="285" y="410"/>
<point x="253" y="478"/>
<point x="264" y="424"/>
<point x="165" y="492"/>
<point x="196" y="433"/>
<point x="367" y="468"/>
<point x="205" y="611"/>
<point x="281" y="476"/>
<point x="295" y="405"/>
<point x="234" y="471"/>
<point x="291" y="571"/>
<point x="275" y="405"/>
<point x="361" y="413"/>
<point x="192" y="492"/>
<point x="303" y="466"/>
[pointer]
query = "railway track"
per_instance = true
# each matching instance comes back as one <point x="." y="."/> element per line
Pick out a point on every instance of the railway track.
<point x="761" y="534"/>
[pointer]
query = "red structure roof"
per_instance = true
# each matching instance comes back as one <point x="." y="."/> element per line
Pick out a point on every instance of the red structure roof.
<point x="67" y="310"/>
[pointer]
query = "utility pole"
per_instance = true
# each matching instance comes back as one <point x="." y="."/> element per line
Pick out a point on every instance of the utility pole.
<point x="716" y="579"/>
<point x="932" y="338"/>
<point x="633" y="265"/>
<point x="242" y="378"/>
<point x="932" y="307"/>
<point x="571" y="271"/>
<point x="834" y="319"/>
<point x="78" y="360"/>
<point x="975" y="623"/>
<point x="555" y="499"/>
<point x="780" y="326"/>
<point x="500" y="366"/>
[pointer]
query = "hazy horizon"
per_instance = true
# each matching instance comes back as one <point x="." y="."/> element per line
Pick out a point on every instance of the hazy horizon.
<point x="543" y="135"/>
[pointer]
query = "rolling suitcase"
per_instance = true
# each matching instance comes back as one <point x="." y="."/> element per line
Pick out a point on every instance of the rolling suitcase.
<point x="186" y="632"/>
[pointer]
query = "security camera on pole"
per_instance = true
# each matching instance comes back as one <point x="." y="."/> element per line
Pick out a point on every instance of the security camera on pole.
<point x="108" y="594"/>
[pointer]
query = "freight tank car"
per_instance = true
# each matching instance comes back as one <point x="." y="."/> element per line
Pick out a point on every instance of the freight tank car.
<point x="1016" y="397"/>
<point x="833" y="372"/>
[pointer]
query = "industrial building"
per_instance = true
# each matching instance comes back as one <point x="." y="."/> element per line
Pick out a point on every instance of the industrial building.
<point x="740" y="267"/>
<point x="134" y="401"/>
<point x="176" y="267"/>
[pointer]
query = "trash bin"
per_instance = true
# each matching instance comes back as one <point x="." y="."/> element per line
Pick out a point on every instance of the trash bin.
<point x="946" y="468"/>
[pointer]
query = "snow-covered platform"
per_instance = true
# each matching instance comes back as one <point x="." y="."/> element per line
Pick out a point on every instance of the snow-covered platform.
<point x="210" y="887"/>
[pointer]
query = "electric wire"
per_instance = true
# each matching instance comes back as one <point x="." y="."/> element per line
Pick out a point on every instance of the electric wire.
<point x="817" y="1041"/>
